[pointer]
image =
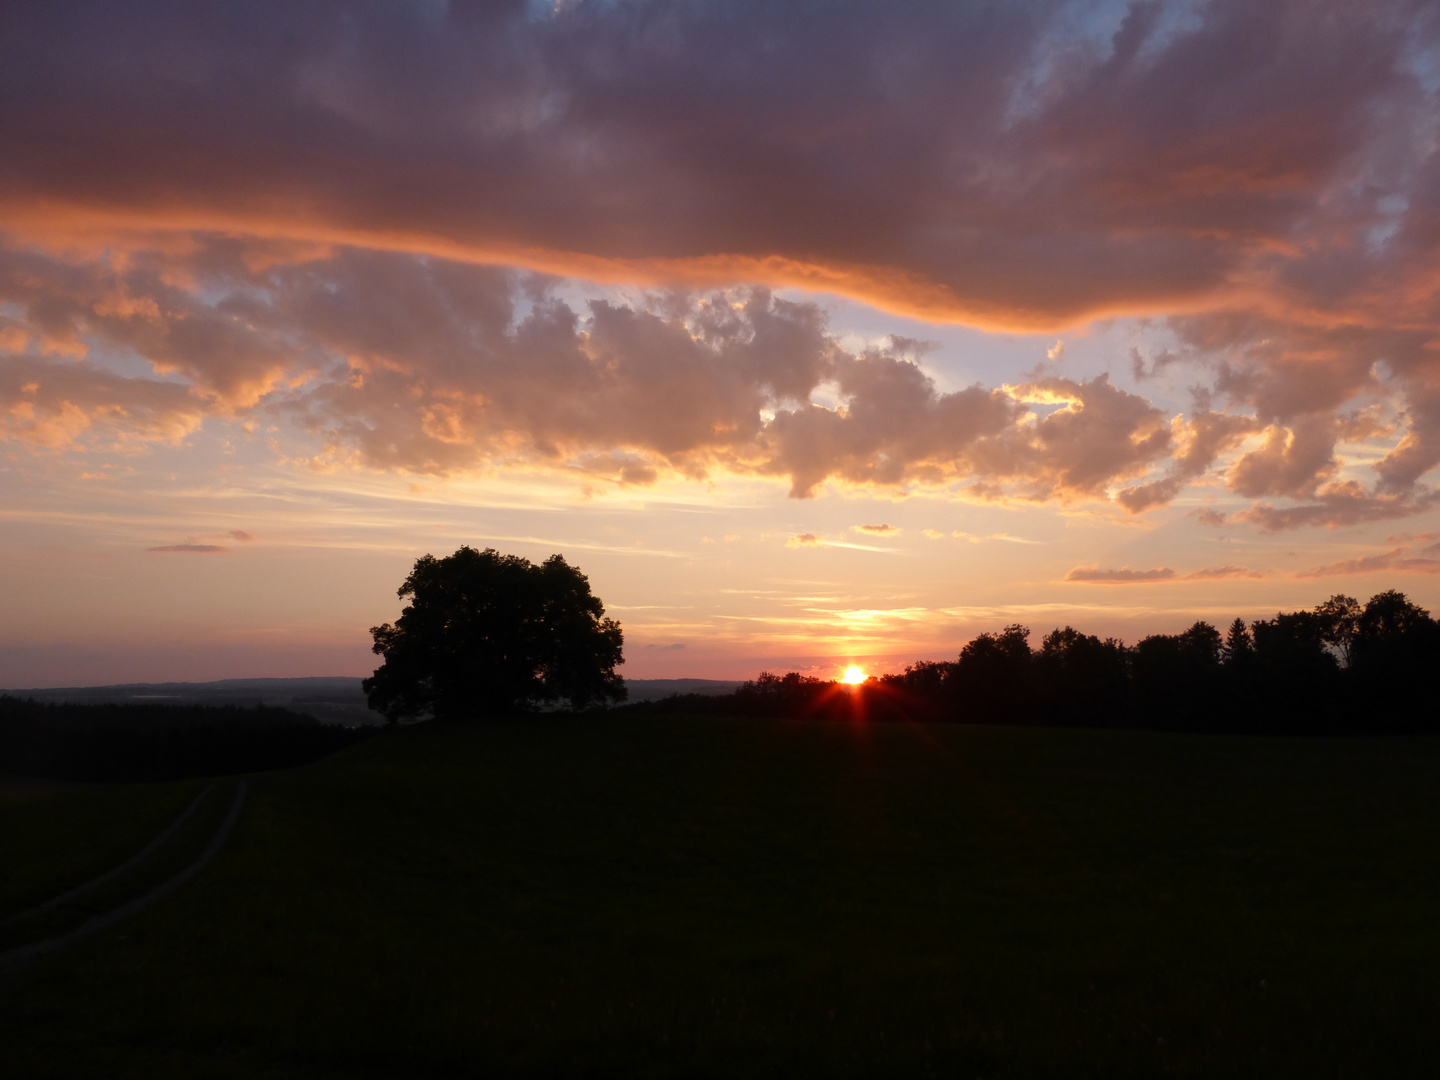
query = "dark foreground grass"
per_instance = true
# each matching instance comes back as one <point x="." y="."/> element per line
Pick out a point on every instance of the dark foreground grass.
<point x="650" y="897"/>
<point x="52" y="839"/>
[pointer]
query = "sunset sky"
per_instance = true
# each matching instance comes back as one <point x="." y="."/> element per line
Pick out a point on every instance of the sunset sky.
<point x="816" y="332"/>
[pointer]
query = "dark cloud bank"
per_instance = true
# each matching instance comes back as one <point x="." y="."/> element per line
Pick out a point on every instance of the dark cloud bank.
<point x="208" y="187"/>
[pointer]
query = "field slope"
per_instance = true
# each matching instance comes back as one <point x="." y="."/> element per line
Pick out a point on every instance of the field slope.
<point x="651" y="896"/>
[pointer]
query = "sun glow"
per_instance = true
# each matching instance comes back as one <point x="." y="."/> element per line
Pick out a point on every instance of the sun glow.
<point x="854" y="676"/>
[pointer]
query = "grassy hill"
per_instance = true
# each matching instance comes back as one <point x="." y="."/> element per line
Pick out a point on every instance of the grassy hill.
<point x="648" y="896"/>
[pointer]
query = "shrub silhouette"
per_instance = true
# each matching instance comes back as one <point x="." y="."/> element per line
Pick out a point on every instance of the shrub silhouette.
<point x="487" y="634"/>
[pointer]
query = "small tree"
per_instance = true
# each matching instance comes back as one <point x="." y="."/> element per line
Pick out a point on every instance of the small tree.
<point x="1339" y="620"/>
<point x="1239" y="649"/>
<point x="487" y="634"/>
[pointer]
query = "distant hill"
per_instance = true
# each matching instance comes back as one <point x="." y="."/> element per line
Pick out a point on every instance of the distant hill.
<point x="330" y="699"/>
<point x="654" y="689"/>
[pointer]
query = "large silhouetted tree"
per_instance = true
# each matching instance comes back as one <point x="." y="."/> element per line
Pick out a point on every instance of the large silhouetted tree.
<point x="487" y="634"/>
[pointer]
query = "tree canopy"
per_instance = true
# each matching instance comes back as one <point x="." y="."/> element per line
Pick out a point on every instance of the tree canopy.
<point x="487" y="634"/>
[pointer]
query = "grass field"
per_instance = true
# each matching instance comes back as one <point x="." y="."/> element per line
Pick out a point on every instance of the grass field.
<point x="56" y="835"/>
<point x="660" y="897"/>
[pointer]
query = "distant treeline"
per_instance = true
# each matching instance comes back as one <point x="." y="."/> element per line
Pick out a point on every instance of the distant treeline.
<point x="158" y="742"/>
<point x="1338" y="669"/>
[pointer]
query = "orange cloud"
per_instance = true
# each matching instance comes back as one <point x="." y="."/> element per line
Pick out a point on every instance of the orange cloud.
<point x="56" y="405"/>
<point x="393" y="363"/>
<point x="326" y="246"/>
<point x="1223" y="573"/>
<point x="389" y="362"/>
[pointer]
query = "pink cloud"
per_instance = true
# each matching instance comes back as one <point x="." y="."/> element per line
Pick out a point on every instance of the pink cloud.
<point x="1093" y="575"/>
<point x="1395" y="560"/>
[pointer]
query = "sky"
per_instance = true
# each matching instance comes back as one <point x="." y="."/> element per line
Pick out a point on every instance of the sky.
<point x="815" y="332"/>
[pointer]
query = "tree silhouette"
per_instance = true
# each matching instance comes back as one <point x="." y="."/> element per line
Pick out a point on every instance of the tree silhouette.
<point x="1239" y="647"/>
<point x="487" y="634"/>
<point x="993" y="678"/>
<point x="1177" y="676"/>
<point x="1339" y="619"/>
<point x="922" y="687"/>
<point x="1079" y="678"/>
<point x="1390" y="616"/>
<point x="1395" y="654"/>
<point x="1338" y="668"/>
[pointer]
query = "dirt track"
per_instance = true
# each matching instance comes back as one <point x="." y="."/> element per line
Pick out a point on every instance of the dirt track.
<point x="22" y="953"/>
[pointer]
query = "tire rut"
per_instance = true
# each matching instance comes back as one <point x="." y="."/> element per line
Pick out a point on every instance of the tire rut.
<point x="23" y="953"/>
<point x="110" y="875"/>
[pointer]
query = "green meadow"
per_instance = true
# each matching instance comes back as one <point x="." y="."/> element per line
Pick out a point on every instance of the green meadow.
<point x="678" y="897"/>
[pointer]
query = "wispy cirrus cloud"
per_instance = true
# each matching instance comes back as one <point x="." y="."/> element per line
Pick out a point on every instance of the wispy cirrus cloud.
<point x="1094" y="575"/>
<point x="199" y="545"/>
<point x="1224" y="573"/>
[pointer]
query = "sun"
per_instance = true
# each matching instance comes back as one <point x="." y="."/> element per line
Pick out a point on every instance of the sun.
<point x="854" y="676"/>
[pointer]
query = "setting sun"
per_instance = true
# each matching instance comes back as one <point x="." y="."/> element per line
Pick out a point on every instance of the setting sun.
<point x="854" y="676"/>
